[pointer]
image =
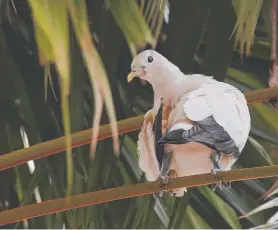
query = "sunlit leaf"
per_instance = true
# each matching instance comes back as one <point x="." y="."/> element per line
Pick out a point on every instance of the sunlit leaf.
<point x="97" y="73"/>
<point x="48" y="78"/>
<point x="132" y="23"/>
<point x="247" y="15"/>
<point x="44" y="45"/>
<point x="154" y="14"/>
<point x="52" y="16"/>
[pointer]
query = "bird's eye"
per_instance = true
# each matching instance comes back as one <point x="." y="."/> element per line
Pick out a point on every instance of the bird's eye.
<point x="150" y="59"/>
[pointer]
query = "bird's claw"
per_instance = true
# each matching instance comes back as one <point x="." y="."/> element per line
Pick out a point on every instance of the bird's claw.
<point x="214" y="172"/>
<point x="164" y="180"/>
<point x="158" y="194"/>
<point x="217" y="178"/>
<point x="171" y="193"/>
<point x="219" y="184"/>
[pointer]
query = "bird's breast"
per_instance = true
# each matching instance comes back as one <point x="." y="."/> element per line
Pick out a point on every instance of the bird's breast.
<point x="190" y="159"/>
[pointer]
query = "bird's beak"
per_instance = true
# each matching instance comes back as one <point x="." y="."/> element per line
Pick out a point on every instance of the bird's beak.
<point x="130" y="76"/>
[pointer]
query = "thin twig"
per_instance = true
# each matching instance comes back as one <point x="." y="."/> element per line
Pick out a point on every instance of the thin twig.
<point x="51" y="147"/>
<point x="273" y="79"/>
<point x="84" y="137"/>
<point x="98" y="197"/>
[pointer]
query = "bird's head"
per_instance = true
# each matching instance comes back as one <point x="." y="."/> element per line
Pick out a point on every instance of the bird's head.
<point x="149" y="65"/>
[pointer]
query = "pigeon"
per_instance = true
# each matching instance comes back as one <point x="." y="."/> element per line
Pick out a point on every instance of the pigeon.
<point x="197" y="124"/>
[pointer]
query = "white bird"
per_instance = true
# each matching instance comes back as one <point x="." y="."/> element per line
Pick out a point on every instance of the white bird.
<point x="207" y="127"/>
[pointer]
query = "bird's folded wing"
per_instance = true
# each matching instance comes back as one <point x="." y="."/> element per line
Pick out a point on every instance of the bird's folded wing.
<point x="146" y="152"/>
<point x="225" y="104"/>
<point x="157" y="130"/>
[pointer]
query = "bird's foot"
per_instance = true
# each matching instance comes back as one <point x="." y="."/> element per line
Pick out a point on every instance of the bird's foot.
<point x="215" y="158"/>
<point x="158" y="194"/>
<point x="219" y="184"/>
<point x="165" y="179"/>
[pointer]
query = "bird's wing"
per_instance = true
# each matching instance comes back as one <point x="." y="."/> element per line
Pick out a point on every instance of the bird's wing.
<point x="157" y="130"/>
<point x="225" y="104"/>
<point x="146" y="152"/>
<point x="150" y="155"/>
<point x="214" y="104"/>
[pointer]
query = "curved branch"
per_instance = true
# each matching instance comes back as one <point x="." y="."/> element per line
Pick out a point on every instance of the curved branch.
<point x="86" y="199"/>
<point x="45" y="149"/>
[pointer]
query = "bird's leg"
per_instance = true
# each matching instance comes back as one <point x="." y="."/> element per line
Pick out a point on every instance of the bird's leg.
<point x="164" y="173"/>
<point x="164" y="178"/>
<point x="215" y="158"/>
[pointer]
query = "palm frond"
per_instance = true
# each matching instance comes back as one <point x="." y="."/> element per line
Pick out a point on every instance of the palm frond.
<point x="247" y="17"/>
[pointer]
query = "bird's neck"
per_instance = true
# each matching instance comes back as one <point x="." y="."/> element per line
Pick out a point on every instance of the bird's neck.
<point x="171" y="88"/>
<point x="166" y="87"/>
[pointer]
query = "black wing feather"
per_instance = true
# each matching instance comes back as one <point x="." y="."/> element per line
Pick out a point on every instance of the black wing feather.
<point x="207" y="132"/>
<point x="157" y="129"/>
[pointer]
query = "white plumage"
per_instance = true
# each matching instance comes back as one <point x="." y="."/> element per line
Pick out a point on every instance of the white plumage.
<point x="191" y="100"/>
<point x="225" y="103"/>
